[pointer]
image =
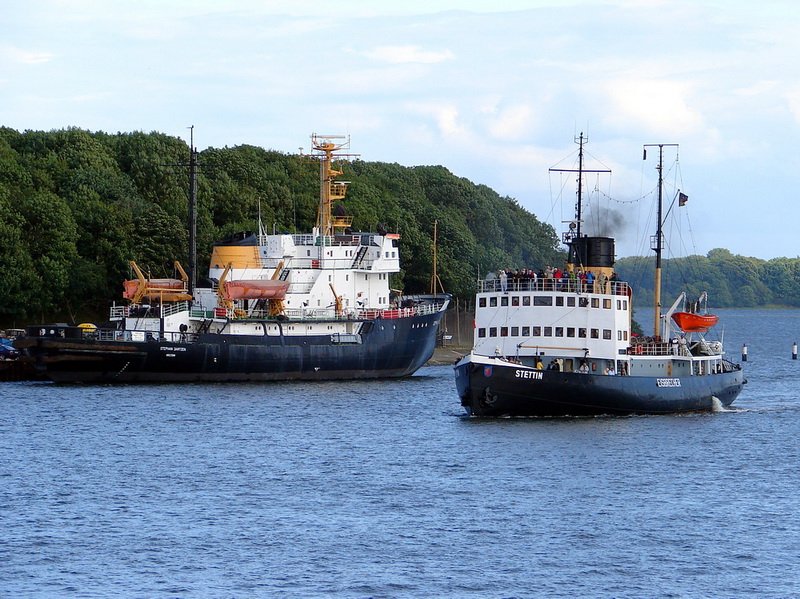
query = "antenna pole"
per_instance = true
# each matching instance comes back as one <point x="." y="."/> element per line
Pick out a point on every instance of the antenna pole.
<point x="435" y="275"/>
<point x="580" y="183"/>
<point x="192" y="212"/>
<point x="581" y="141"/>
<point x="657" y="242"/>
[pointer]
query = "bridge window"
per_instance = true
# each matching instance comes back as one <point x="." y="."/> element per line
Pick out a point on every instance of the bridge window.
<point x="595" y="333"/>
<point x="595" y="302"/>
<point x="560" y="300"/>
<point x="548" y="331"/>
<point x="542" y="300"/>
<point x="559" y="331"/>
<point x="607" y="303"/>
<point x="570" y="331"/>
<point x="537" y="331"/>
<point x="526" y="300"/>
<point x="481" y="332"/>
<point x="515" y="331"/>
<point x="493" y="302"/>
<point x="504" y="331"/>
<point x="582" y="333"/>
<point x="504" y="300"/>
<point x="482" y="302"/>
<point x="492" y="331"/>
<point x="571" y="301"/>
<point x="515" y="300"/>
<point x="526" y="331"/>
<point x="607" y="334"/>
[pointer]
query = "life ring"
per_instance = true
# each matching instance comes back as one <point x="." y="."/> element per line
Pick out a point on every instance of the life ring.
<point x="639" y="350"/>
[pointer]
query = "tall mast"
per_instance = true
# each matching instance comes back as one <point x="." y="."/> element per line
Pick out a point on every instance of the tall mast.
<point x="576" y="233"/>
<point x="580" y="184"/>
<point x="330" y="190"/>
<point x="657" y="241"/>
<point x="192" y="213"/>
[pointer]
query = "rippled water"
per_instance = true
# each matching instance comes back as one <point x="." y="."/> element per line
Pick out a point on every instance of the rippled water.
<point x="384" y="489"/>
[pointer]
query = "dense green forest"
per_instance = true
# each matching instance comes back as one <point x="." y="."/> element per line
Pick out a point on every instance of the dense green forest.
<point x="731" y="280"/>
<point x="76" y="206"/>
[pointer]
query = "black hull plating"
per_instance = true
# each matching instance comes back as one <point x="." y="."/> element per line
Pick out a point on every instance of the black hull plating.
<point x="392" y="348"/>
<point x="503" y="389"/>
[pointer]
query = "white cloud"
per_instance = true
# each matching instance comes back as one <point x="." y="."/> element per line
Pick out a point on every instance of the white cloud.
<point x="408" y="54"/>
<point x="511" y="123"/>
<point x="657" y="105"/>
<point x="21" y="56"/>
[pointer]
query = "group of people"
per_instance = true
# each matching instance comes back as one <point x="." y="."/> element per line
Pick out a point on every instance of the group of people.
<point x="551" y="279"/>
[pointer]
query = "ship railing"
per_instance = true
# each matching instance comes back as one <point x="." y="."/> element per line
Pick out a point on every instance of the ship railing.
<point x="165" y="309"/>
<point x="651" y="347"/>
<point x="171" y="308"/>
<point x="345" y="263"/>
<point x="347" y="239"/>
<point x="563" y="285"/>
<point x="300" y="314"/>
<point x="119" y="312"/>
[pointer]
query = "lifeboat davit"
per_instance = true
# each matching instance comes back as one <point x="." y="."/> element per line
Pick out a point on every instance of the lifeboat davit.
<point x="694" y="323"/>
<point x="256" y="289"/>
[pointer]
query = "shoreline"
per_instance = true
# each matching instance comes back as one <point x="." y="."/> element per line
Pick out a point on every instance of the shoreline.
<point x="446" y="356"/>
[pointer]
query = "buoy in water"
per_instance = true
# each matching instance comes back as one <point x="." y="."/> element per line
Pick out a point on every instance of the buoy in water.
<point x="794" y="350"/>
<point x="744" y="353"/>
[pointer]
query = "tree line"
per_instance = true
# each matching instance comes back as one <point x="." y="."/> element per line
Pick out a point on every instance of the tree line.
<point x="731" y="280"/>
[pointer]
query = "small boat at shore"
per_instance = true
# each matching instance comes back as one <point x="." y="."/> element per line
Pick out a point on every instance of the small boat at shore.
<point x="581" y="325"/>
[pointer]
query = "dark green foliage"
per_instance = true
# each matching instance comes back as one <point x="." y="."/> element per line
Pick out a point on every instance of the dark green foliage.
<point x="730" y="280"/>
<point x="76" y="206"/>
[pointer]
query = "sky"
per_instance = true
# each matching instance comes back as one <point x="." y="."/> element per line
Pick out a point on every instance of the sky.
<point x="496" y="91"/>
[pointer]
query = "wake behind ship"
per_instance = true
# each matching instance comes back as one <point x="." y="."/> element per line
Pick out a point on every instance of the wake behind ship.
<point x="315" y="306"/>
<point x="562" y="344"/>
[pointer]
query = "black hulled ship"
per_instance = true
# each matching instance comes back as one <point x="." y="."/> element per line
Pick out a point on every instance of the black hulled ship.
<point x="314" y="306"/>
<point x="564" y="345"/>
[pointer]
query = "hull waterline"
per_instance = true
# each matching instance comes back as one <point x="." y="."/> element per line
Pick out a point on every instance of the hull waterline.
<point x="498" y="389"/>
<point x="391" y="349"/>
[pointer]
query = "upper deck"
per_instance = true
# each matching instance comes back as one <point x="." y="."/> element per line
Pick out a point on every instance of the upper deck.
<point x="548" y="316"/>
<point x="564" y="285"/>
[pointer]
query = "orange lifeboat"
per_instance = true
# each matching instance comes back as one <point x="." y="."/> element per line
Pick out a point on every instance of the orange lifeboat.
<point x="255" y="289"/>
<point x="694" y="323"/>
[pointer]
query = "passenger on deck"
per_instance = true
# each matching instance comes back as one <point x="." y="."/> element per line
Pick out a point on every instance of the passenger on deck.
<point x="590" y="282"/>
<point x="601" y="283"/>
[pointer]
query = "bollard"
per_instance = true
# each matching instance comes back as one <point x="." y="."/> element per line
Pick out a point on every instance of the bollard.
<point x="744" y="353"/>
<point x="794" y="350"/>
